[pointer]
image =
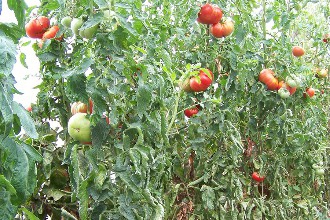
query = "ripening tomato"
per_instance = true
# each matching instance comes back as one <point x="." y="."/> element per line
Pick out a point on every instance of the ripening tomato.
<point x="323" y="73"/>
<point x="257" y="178"/>
<point x="36" y="27"/>
<point x="51" y="32"/>
<point x="298" y="51"/>
<point x="266" y="76"/>
<point x="326" y="38"/>
<point x="185" y="85"/>
<point x="222" y="29"/>
<point x="90" y="105"/>
<point x="78" y="107"/>
<point x="310" y="92"/>
<point x="201" y="84"/>
<point x="29" y="108"/>
<point x="209" y="14"/>
<point x="191" y="112"/>
<point x="282" y="84"/>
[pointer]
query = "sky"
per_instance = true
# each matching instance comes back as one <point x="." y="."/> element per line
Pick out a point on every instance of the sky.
<point x="26" y="78"/>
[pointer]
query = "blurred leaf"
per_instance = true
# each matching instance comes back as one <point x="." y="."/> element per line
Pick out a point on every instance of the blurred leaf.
<point x="18" y="6"/>
<point x="26" y="120"/>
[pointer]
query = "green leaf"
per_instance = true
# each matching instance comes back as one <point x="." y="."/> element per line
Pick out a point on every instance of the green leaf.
<point x="83" y="199"/>
<point x="18" y="6"/>
<point x="100" y="132"/>
<point x="101" y="3"/>
<point x="29" y="214"/>
<point x="80" y="68"/>
<point x="32" y="152"/>
<point x="7" y="55"/>
<point x="208" y="197"/>
<point x="77" y="86"/>
<point x="12" y="30"/>
<point x="47" y="56"/>
<point x="143" y="97"/>
<point x="22" y="58"/>
<point x="17" y="162"/>
<point x="92" y="21"/>
<point x="26" y="120"/>
<point x="5" y="108"/>
<point x="7" y="209"/>
<point x="7" y="185"/>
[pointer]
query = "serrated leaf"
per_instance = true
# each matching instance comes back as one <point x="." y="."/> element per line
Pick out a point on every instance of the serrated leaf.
<point x="7" y="55"/>
<point x="6" y="109"/>
<point x="77" y="86"/>
<point x="29" y="214"/>
<point x="208" y="197"/>
<point x="165" y="56"/>
<point x="92" y="21"/>
<point x="143" y="97"/>
<point x="126" y="178"/>
<point x="80" y="68"/>
<point x="32" y="152"/>
<point x="100" y="133"/>
<point x="18" y="6"/>
<point x="7" y="209"/>
<point x="101" y="3"/>
<point x="22" y="58"/>
<point x="46" y="57"/>
<point x="83" y="199"/>
<point x="18" y="163"/>
<point x="26" y="120"/>
<point x="13" y="31"/>
<point x="7" y="185"/>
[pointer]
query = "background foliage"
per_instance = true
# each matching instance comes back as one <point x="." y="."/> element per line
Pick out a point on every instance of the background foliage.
<point x="151" y="162"/>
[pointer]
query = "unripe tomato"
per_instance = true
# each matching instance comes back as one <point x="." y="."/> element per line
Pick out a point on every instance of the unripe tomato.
<point x="323" y="73"/>
<point x="185" y="85"/>
<point x="203" y="83"/>
<point x="76" y="23"/>
<point x="291" y="83"/>
<point x="298" y="51"/>
<point x="283" y="93"/>
<point x="319" y="171"/>
<point x="256" y="177"/>
<point x="89" y="32"/>
<point x="191" y="112"/>
<point x="51" y="32"/>
<point x="36" y="27"/>
<point x="66" y="21"/>
<point x="282" y="84"/>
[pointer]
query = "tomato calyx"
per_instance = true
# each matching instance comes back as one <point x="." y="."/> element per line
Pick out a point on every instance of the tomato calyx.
<point x="255" y="176"/>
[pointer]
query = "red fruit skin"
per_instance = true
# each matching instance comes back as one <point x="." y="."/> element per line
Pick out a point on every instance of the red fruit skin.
<point x="204" y="83"/>
<point x="298" y="51"/>
<point x="310" y="92"/>
<point x="36" y="27"/>
<point x="217" y="30"/>
<point x="51" y="32"/>
<point x="266" y="76"/>
<point x="29" y="108"/>
<point x="209" y="14"/>
<point x="90" y="102"/>
<point x="256" y="177"/>
<point x="191" y="112"/>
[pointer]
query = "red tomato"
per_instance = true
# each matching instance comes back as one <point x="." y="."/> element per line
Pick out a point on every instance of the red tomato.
<point x="266" y="76"/>
<point x="51" y="32"/>
<point x="298" y="51"/>
<point x="90" y="102"/>
<point x="310" y="92"/>
<point x="222" y="29"/>
<point x="256" y="177"/>
<point x="203" y="83"/>
<point x="29" y="108"/>
<point x="191" y="112"/>
<point x="209" y="14"/>
<point x="36" y="27"/>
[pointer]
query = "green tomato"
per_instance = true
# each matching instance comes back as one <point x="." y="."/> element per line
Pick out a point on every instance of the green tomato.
<point x="315" y="166"/>
<point x="79" y="127"/>
<point x="283" y="93"/>
<point x="75" y="25"/>
<point x="88" y="33"/>
<point x="66" y="21"/>
<point x="319" y="171"/>
<point x="292" y="83"/>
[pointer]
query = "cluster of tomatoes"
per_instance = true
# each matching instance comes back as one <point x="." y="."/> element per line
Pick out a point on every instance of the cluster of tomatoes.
<point x="198" y="83"/>
<point x="39" y="28"/>
<point x="212" y="15"/>
<point x="75" y="25"/>
<point x="285" y="89"/>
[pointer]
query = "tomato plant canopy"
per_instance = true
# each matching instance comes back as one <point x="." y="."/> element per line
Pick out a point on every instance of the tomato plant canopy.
<point x="189" y="110"/>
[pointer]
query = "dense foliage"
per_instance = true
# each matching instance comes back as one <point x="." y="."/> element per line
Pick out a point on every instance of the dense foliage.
<point x="249" y="152"/>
